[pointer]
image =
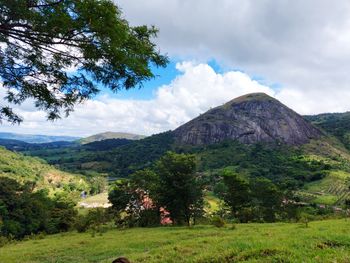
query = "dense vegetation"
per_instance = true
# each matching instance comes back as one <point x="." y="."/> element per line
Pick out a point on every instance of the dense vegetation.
<point x="115" y="157"/>
<point x="172" y="185"/>
<point x="24" y="211"/>
<point x="26" y="169"/>
<point x="336" y="124"/>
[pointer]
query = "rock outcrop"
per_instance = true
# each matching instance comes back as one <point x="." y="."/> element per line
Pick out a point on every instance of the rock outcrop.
<point x="252" y="118"/>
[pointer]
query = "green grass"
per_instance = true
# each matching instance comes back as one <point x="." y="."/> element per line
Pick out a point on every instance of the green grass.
<point x="101" y="198"/>
<point x="322" y="241"/>
<point x="212" y="203"/>
<point x="325" y="199"/>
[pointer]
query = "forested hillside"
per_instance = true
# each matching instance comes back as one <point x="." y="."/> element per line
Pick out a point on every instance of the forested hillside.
<point x="25" y="169"/>
<point x="336" y="124"/>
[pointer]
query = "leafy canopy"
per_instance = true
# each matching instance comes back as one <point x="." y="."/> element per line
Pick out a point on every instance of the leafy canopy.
<point x="61" y="52"/>
<point x="173" y="184"/>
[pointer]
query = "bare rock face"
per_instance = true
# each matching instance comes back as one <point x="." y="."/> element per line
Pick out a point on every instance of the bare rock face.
<point x="252" y="118"/>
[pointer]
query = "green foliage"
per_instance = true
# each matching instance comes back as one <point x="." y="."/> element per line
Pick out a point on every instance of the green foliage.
<point x="24" y="212"/>
<point x="283" y="165"/>
<point x="218" y="221"/>
<point x="236" y="192"/>
<point x="336" y="124"/>
<point x="253" y="199"/>
<point x="94" y="220"/>
<point x="121" y="194"/>
<point x="26" y="169"/>
<point x="173" y="185"/>
<point x="98" y="184"/>
<point x="180" y="190"/>
<point x="41" y="41"/>
<point x="120" y="161"/>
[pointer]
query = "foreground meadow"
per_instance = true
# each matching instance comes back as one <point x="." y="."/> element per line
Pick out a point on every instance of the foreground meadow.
<point x="322" y="241"/>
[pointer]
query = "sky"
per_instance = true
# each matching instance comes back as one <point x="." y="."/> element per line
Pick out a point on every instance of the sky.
<point x="296" y="51"/>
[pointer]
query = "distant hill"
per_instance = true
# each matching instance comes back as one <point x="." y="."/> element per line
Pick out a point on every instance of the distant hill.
<point x="33" y="138"/>
<point x="111" y="135"/>
<point x="20" y="146"/>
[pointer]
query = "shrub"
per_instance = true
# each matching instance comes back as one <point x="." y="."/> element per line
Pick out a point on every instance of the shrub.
<point x="218" y="221"/>
<point x="4" y="241"/>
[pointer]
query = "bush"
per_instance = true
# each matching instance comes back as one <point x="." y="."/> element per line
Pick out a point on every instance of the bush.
<point x="218" y="221"/>
<point x="82" y="224"/>
<point x="4" y="241"/>
<point x="148" y="218"/>
<point x="94" y="220"/>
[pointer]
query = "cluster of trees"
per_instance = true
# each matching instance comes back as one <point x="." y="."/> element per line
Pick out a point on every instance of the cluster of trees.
<point x="24" y="211"/>
<point x="283" y="165"/>
<point x="250" y="199"/>
<point x="172" y="186"/>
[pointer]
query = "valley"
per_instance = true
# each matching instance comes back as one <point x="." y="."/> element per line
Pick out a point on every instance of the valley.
<point x="287" y="169"/>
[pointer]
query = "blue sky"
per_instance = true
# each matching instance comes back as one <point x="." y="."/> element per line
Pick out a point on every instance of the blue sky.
<point x="163" y="77"/>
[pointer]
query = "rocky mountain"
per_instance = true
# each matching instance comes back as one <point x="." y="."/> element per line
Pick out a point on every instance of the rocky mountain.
<point x="248" y="119"/>
<point x="111" y="135"/>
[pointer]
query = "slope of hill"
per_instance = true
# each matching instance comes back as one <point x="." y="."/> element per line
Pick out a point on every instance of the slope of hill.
<point x="26" y="169"/>
<point x="252" y="118"/>
<point x="31" y="138"/>
<point x="336" y="124"/>
<point x="322" y="241"/>
<point x="111" y="135"/>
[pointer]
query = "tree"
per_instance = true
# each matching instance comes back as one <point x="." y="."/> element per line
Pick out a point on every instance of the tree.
<point x="267" y="198"/>
<point x="131" y="201"/>
<point x="61" y="52"/>
<point x="120" y="194"/>
<point x="24" y="212"/>
<point x="236" y="195"/>
<point x="180" y="190"/>
<point x="172" y="185"/>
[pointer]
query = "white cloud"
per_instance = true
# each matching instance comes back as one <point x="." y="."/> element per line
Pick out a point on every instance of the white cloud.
<point x="193" y="92"/>
<point x="196" y="89"/>
<point x="304" y="45"/>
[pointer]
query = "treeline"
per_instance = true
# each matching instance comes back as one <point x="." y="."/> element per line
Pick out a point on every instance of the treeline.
<point x="174" y="186"/>
<point x="119" y="158"/>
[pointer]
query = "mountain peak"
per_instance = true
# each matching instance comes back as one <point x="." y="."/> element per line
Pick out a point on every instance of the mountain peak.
<point x="251" y="97"/>
<point x="251" y="118"/>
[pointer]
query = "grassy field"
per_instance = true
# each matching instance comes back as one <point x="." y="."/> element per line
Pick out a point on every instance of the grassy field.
<point x="322" y="241"/>
<point x="330" y="190"/>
